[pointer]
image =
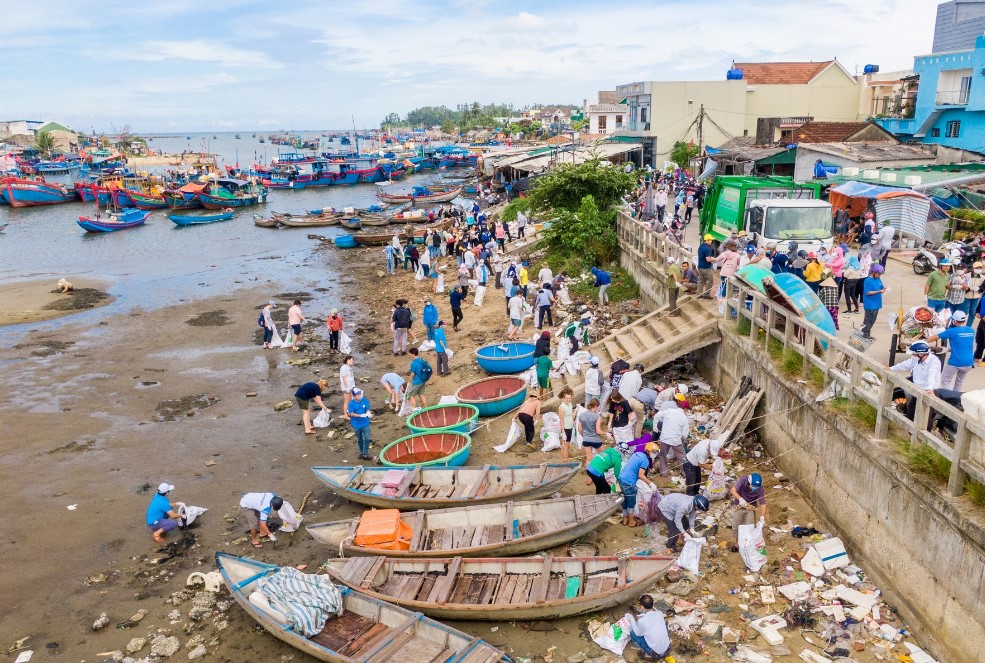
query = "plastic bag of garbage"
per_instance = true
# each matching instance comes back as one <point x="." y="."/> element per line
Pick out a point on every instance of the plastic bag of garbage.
<point x="563" y="296"/>
<point x="405" y="408"/>
<point x="576" y="437"/>
<point x="480" y="294"/>
<point x="289" y="339"/>
<point x="189" y="513"/>
<point x="511" y="437"/>
<point x="440" y="285"/>
<point x="643" y="494"/>
<point x="716" y="488"/>
<point x="345" y="343"/>
<point x="690" y="557"/>
<point x="550" y="432"/>
<point x="563" y="348"/>
<point x="291" y="519"/>
<point x="323" y="420"/>
<point x="530" y="375"/>
<point x="426" y="346"/>
<point x="752" y="547"/>
<point x="612" y="637"/>
<point x="420" y="273"/>
<point x="275" y="340"/>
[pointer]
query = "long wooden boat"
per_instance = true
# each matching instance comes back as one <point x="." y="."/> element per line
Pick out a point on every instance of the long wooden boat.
<point x="486" y="529"/>
<point x="195" y="219"/>
<point x="375" y="239"/>
<point x="368" y="631"/>
<point x="435" y="195"/>
<point x="374" y="219"/>
<point x="130" y="218"/>
<point x="353" y="223"/>
<point x="148" y="200"/>
<point x="308" y="220"/>
<point x="264" y="222"/>
<point x="504" y="588"/>
<point x="442" y="487"/>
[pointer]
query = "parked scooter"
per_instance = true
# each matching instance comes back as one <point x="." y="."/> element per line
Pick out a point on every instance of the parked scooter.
<point x="958" y="253"/>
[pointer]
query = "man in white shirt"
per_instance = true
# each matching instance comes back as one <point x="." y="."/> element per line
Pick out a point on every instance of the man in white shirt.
<point x="258" y="507"/>
<point x="649" y="631"/>
<point x="660" y="202"/>
<point x="593" y="381"/>
<point x="925" y="370"/>
<point x="515" y="307"/>
<point x="886" y="235"/>
<point x="268" y="325"/>
<point x="629" y="386"/>
<point x="347" y="382"/>
<point x="674" y="429"/>
<point x="521" y="225"/>
<point x="700" y="456"/>
<point x="544" y="300"/>
<point x="545" y="275"/>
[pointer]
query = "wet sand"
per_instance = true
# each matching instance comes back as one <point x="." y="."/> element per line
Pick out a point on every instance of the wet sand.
<point x="143" y="397"/>
<point x="36" y="300"/>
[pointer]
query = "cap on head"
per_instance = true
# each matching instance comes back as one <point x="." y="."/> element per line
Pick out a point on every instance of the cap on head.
<point x="959" y="316"/>
<point x="750" y="248"/>
<point x="708" y="237"/>
<point x="755" y="480"/>
<point x="594" y="361"/>
<point x="165" y="488"/>
<point x="701" y="503"/>
<point x="919" y="348"/>
<point x="271" y="303"/>
<point x="638" y="367"/>
<point x="870" y="215"/>
<point x="276" y="502"/>
<point x="671" y="260"/>
<point x="943" y="262"/>
<point x="877" y="269"/>
<point x="334" y="311"/>
<point x="356" y="391"/>
<point x="812" y="255"/>
<point x="651" y="448"/>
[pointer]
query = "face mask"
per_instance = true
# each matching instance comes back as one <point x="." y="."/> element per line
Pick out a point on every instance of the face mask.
<point x="978" y="272"/>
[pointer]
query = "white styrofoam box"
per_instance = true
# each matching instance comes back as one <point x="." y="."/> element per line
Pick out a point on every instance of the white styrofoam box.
<point x="870" y="174"/>
<point x="888" y="177"/>
<point x="851" y="171"/>
<point x="912" y="180"/>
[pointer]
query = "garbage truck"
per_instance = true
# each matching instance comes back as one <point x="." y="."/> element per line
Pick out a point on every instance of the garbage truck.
<point x="772" y="210"/>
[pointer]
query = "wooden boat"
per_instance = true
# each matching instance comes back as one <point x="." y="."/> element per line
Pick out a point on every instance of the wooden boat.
<point x="373" y="219"/>
<point x="486" y="529"/>
<point x="442" y="418"/>
<point x="191" y="220"/>
<point x="502" y="589"/>
<point x="493" y="396"/>
<point x="375" y="239"/>
<point x="148" y="200"/>
<point x="442" y="487"/>
<point x="422" y="195"/>
<point x="264" y="222"/>
<point x="228" y="192"/>
<point x="128" y="218"/>
<point x="308" y="220"/>
<point x="428" y="449"/>
<point x="352" y="223"/>
<point x="369" y="630"/>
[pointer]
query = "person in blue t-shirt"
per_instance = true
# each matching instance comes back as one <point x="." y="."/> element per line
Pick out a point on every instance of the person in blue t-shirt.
<point x="429" y="317"/>
<point x="441" y="348"/>
<point x="706" y="256"/>
<point x="634" y="470"/>
<point x="961" y="338"/>
<point x="359" y="417"/>
<point x="417" y="382"/>
<point x="872" y="291"/>
<point x="161" y="516"/>
<point x="602" y="282"/>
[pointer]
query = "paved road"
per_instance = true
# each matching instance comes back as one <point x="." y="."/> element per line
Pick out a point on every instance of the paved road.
<point x="904" y="286"/>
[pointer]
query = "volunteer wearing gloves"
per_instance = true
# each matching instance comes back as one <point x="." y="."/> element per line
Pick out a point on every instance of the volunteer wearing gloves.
<point x="750" y="498"/>
<point x="677" y="510"/>
<point x="700" y="456"/>
<point x="634" y="470"/>
<point x="161" y="516"/>
<point x="359" y="416"/>
<point x="649" y="631"/>
<point x="925" y="372"/>
<point x="674" y="429"/>
<point x="258" y="507"/>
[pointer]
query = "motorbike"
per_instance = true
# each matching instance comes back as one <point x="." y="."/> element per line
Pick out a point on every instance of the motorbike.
<point x="958" y="253"/>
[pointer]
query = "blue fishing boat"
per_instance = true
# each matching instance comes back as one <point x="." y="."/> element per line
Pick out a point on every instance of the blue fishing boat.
<point x="454" y="417"/>
<point x="795" y="295"/>
<point x="428" y="449"/>
<point x="504" y="358"/>
<point x="228" y="192"/>
<point x="196" y="219"/>
<point x="345" y="242"/>
<point x="130" y="217"/>
<point x="493" y="396"/>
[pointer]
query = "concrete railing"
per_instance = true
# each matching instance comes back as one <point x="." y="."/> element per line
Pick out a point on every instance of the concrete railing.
<point x="654" y="246"/>
<point x="840" y="363"/>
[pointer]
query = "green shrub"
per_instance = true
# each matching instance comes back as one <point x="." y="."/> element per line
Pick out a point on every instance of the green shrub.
<point x="975" y="491"/>
<point x="515" y="205"/>
<point x="623" y="288"/>
<point x="743" y="326"/>
<point x="923" y="458"/>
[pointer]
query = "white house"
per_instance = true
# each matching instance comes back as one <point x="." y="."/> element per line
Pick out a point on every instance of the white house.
<point x="19" y="127"/>
<point x="606" y="118"/>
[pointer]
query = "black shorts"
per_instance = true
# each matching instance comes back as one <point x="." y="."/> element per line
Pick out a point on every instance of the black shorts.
<point x="297" y="329"/>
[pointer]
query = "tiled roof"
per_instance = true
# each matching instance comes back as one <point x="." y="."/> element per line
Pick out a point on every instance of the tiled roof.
<point x="780" y="73"/>
<point x="825" y="132"/>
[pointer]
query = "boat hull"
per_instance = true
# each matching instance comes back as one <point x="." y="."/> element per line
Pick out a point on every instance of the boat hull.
<point x="146" y="202"/>
<point x="650" y="570"/>
<point x="182" y="220"/>
<point x="220" y="202"/>
<point x="555" y="476"/>
<point x="493" y="396"/>
<point x="99" y="226"/>
<point x="451" y="417"/>
<point x="427" y="449"/>
<point x="517" y="357"/>
<point x="36" y="194"/>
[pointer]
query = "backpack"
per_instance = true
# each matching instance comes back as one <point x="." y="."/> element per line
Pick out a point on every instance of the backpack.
<point x="402" y="318"/>
<point x="426" y="371"/>
<point x="260" y="320"/>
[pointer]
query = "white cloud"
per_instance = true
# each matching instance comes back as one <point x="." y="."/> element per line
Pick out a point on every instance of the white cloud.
<point x="204" y="51"/>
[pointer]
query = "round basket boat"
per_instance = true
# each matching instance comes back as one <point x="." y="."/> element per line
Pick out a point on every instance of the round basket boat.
<point x="431" y="449"/>
<point x="494" y="396"/>
<point x="454" y="417"/>
<point x="345" y="242"/>
<point x="506" y="357"/>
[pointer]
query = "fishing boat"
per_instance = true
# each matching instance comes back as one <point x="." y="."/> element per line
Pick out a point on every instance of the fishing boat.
<point x="185" y="197"/>
<point x="373" y="219"/>
<point x="20" y="192"/>
<point x="344" y="242"/>
<point x="442" y="487"/>
<point x="352" y="223"/>
<point x="195" y="219"/>
<point x="310" y="220"/>
<point x="454" y="417"/>
<point x="506" y="357"/>
<point x="427" y="449"/>
<point x="795" y="295"/>
<point x="129" y="217"/>
<point x="368" y="630"/>
<point x="504" y="588"/>
<point x="230" y="192"/>
<point x="476" y="530"/>
<point x="264" y="222"/>
<point x="374" y="239"/>
<point x="148" y="201"/>
<point x="493" y="396"/>
<point x="421" y="194"/>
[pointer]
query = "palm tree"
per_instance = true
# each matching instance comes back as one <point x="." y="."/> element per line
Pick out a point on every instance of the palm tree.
<point x="44" y="142"/>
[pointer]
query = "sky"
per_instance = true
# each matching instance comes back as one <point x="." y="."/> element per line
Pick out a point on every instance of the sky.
<point x="218" y="65"/>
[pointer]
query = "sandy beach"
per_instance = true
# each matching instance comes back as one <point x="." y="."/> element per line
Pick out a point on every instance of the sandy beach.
<point x="38" y="299"/>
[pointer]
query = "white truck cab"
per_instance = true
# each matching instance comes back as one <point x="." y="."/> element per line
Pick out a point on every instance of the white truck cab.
<point x="779" y="221"/>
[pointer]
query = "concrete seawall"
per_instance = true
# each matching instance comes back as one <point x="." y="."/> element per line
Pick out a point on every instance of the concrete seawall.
<point x="923" y="548"/>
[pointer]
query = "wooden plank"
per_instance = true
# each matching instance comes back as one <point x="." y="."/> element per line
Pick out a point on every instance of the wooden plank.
<point x="426" y="586"/>
<point x="366" y="640"/>
<point x="392" y="637"/>
<point x="385" y="654"/>
<point x="412" y="587"/>
<point x="579" y="510"/>
<point x="523" y="585"/>
<point x="540" y="474"/>
<point x="442" y="656"/>
<point x="479" y="481"/>
<point x="495" y="533"/>
<point x="419" y="531"/>
<point x="463" y="585"/>
<point x="556" y="587"/>
<point x="367" y="579"/>
<point x="539" y="592"/>
<point x="340" y="631"/>
<point x="488" y="590"/>
<point x="509" y="522"/>
<point x="417" y="650"/>
<point x="445" y="584"/>
<point x="506" y="588"/>
<point x="476" y="537"/>
<point x="621" y="566"/>
<point x="608" y="583"/>
<point x="408" y="482"/>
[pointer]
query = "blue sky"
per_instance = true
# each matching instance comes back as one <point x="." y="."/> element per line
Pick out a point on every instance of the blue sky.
<point x="183" y="65"/>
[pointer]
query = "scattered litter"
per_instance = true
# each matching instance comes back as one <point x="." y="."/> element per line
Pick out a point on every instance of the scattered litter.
<point x="612" y="637"/>
<point x="769" y="627"/>
<point x="72" y="507"/>
<point x="24" y="656"/>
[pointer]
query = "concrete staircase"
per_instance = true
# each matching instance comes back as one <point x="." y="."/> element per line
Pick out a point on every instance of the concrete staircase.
<point x="653" y="340"/>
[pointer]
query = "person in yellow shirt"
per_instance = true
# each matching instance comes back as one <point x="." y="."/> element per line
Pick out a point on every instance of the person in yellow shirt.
<point x="813" y="271"/>
<point x="524" y="278"/>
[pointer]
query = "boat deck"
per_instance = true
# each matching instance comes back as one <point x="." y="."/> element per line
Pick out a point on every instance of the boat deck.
<point x="491" y="487"/>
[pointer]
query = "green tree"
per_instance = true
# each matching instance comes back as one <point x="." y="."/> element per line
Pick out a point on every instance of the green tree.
<point x="566" y="186"/>
<point x="44" y="142"/>
<point x="390" y="120"/>
<point x="683" y="153"/>
<point x="587" y="235"/>
<point x="448" y="127"/>
<point x="580" y="124"/>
